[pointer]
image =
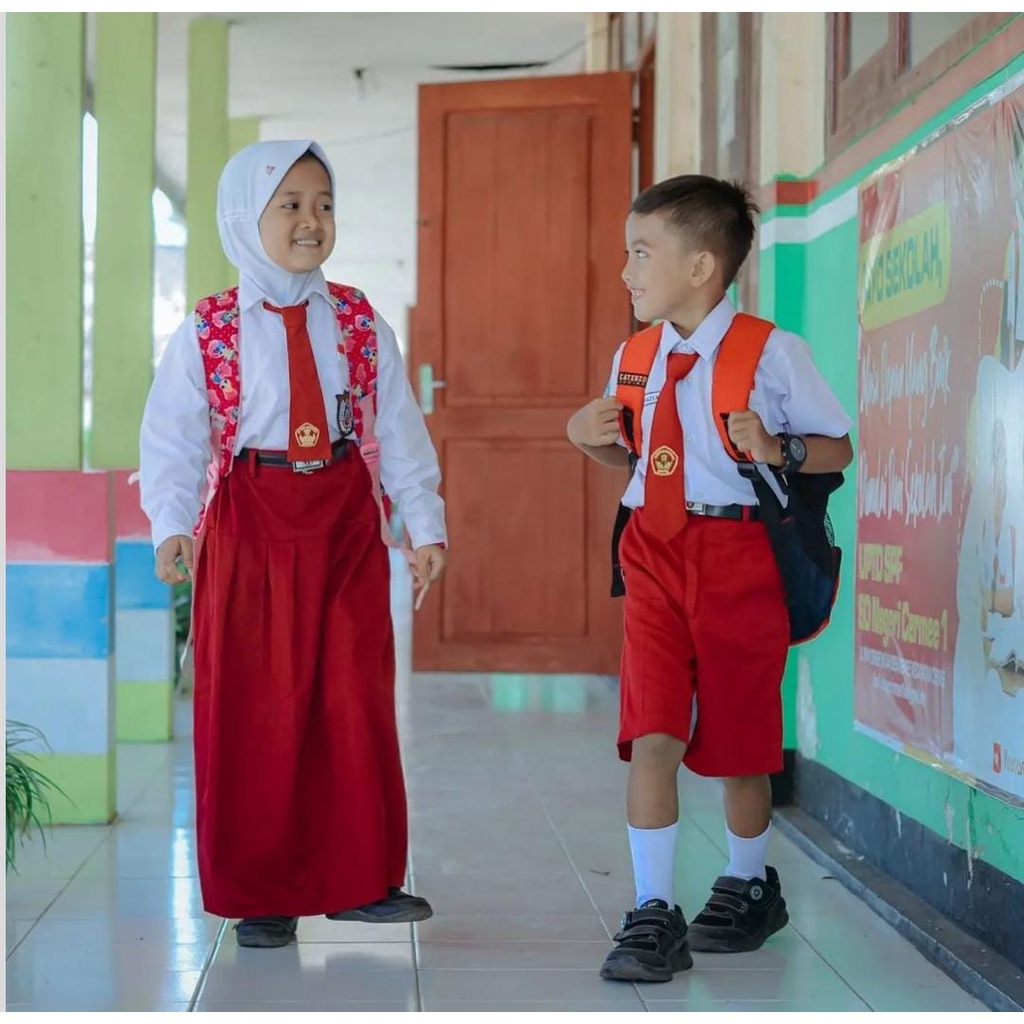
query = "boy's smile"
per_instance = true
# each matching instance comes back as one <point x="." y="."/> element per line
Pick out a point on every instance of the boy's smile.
<point x="662" y="272"/>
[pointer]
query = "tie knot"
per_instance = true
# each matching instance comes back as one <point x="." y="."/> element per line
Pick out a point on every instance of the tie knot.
<point x="293" y="316"/>
<point x="679" y="365"/>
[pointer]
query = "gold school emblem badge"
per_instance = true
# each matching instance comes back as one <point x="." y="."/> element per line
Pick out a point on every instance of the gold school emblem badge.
<point x="307" y="435"/>
<point x="664" y="461"/>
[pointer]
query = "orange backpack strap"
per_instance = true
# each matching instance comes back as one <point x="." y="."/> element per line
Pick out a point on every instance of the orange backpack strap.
<point x="733" y="378"/>
<point x="631" y="384"/>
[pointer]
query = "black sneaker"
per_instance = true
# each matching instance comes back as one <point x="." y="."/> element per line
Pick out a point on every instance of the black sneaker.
<point x="396" y="908"/>
<point x="740" y="915"/>
<point x="266" y="932"/>
<point x="651" y="945"/>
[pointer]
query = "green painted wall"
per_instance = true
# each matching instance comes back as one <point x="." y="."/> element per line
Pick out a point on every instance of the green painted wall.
<point x="814" y="291"/>
<point x="45" y="58"/>
<point x="780" y="268"/>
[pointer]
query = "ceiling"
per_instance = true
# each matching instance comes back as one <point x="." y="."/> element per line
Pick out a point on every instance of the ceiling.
<point x="350" y="82"/>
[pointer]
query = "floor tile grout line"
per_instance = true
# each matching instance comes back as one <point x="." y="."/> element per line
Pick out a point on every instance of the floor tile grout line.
<point x="153" y="780"/>
<point x="60" y="892"/>
<point x="565" y="849"/>
<point x="509" y="736"/>
<point x="207" y="967"/>
<point x="716" y="845"/>
<point x="817" y="952"/>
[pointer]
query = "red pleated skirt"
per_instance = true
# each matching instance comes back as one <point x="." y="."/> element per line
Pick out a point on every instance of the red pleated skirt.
<point x="300" y="796"/>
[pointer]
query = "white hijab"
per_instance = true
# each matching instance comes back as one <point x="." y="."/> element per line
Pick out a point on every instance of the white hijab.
<point x="247" y="183"/>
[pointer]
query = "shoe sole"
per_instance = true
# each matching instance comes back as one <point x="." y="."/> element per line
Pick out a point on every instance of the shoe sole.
<point x="265" y="941"/>
<point x="405" y="917"/>
<point x="706" y="942"/>
<point x="627" y="968"/>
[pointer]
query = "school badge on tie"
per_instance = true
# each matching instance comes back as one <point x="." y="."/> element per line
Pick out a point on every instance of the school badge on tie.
<point x="664" y="461"/>
<point x="345" y="416"/>
<point x="307" y="435"/>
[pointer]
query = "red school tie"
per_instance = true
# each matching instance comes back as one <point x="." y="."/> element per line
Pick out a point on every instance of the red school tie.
<point x="308" y="435"/>
<point x="664" y="500"/>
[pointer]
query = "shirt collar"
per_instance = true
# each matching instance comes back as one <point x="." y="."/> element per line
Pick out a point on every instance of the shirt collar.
<point x="249" y="293"/>
<point x="708" y="336"/>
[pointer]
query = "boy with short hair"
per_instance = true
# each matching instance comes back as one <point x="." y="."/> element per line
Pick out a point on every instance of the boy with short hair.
<point x="706" y="623"/>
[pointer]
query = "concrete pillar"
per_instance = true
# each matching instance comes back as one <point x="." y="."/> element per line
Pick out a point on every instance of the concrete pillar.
<point x="125" y="107"/>
<point x="206" y="268"/>
<point x="45" y="105"/>
<point x="59" y="665"/>
<point x="597" y="52"/>
<point x="793" y="93"/>
<point x="677" y="95"/>
<point x="242" y="132"/>
<point x="59" y="670"/>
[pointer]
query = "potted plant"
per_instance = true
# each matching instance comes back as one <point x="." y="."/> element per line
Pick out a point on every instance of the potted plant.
<point x="28" y="789"/>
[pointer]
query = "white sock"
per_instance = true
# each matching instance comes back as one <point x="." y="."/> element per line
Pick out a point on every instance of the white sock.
<point x="747" y="856"/>
<point x="654" y="859"/>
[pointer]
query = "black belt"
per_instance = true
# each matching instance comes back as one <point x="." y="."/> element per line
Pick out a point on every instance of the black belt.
<point x="279" y="460"/>
<point x="742" y="512"/>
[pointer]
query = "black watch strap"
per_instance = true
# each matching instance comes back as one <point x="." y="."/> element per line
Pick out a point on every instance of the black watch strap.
<point x="793" y="463"/>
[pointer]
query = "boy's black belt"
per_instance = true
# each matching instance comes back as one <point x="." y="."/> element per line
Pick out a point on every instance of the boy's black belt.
<point x="339" y="450"/>
<point x="741" y="512"/>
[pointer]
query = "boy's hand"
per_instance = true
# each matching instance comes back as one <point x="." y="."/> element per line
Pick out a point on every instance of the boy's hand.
<point x="596" y="424"/>
<point x="431" y="560"/>
<point x="748" y="434"/>
<point x="167" y="556"/>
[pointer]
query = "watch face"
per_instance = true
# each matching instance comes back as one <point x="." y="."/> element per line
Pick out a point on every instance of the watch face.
<point x="797" y="449"/>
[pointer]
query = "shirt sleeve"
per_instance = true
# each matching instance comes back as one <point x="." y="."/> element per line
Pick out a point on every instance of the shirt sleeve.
<point x="174" y="445"/>
<point x="796" y="390"/>
<point x="408" y="463"/>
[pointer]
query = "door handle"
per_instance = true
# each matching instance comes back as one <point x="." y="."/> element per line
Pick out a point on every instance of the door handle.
<point x="427" y="388"/>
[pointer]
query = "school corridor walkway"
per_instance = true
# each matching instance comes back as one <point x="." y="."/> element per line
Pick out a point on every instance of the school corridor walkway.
<point x="516" y="804"/>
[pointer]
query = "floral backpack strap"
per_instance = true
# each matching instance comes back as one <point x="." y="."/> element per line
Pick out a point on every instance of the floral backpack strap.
<point x="358" y="347"/>
<point x="217" y="330"/>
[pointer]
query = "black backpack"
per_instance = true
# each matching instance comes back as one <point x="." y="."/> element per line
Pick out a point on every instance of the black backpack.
<point x="804" y="544"/>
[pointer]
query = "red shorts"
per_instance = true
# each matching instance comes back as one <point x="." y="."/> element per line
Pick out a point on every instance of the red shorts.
<point x="706" y="638"/>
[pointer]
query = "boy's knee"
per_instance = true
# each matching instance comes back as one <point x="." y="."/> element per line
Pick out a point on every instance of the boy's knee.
<point x="658" y="750"/>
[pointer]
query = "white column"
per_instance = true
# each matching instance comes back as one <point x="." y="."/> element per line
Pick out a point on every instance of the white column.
<point x="677" y="94"/>
<point x="793" y="93"/>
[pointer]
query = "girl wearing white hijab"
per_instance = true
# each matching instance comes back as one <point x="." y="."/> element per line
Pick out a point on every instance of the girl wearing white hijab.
<point x="257" y="402"/>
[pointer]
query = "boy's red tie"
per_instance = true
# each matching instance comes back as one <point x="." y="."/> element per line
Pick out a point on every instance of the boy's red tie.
<point x="664" y="499"/>
<point x="308" y="435"/>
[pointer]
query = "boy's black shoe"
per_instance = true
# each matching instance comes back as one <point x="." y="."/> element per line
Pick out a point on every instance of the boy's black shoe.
<point x="651" y="945"/>
<point x="266" y="932"/>
<point x="396" y="908"/>
<point x="740" y="915"/>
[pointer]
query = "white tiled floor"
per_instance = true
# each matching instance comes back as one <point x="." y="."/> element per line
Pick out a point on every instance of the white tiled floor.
<point x="516" y="803"/>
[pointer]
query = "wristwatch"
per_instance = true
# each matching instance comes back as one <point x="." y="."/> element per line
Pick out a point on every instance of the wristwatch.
<point x="794" y="453"/>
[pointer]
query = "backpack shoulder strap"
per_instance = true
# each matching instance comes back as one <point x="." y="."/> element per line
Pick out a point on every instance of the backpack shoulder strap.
<point x="358" y="347"/>
<point x="733" y="377"/>
<point x="631" y="384"/>
<point x="216" y="321"/>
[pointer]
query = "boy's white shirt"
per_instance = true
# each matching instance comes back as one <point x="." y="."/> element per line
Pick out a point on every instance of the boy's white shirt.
<point x="175" y="439"/>
<point x="790" y="395"/>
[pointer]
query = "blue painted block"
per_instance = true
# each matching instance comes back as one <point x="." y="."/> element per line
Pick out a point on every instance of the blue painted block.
<point x="136" y="586"/>
<point x="58" y="610"/>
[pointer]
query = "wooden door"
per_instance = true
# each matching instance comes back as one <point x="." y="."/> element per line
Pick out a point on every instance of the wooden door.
<point x="524" y="186"/>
